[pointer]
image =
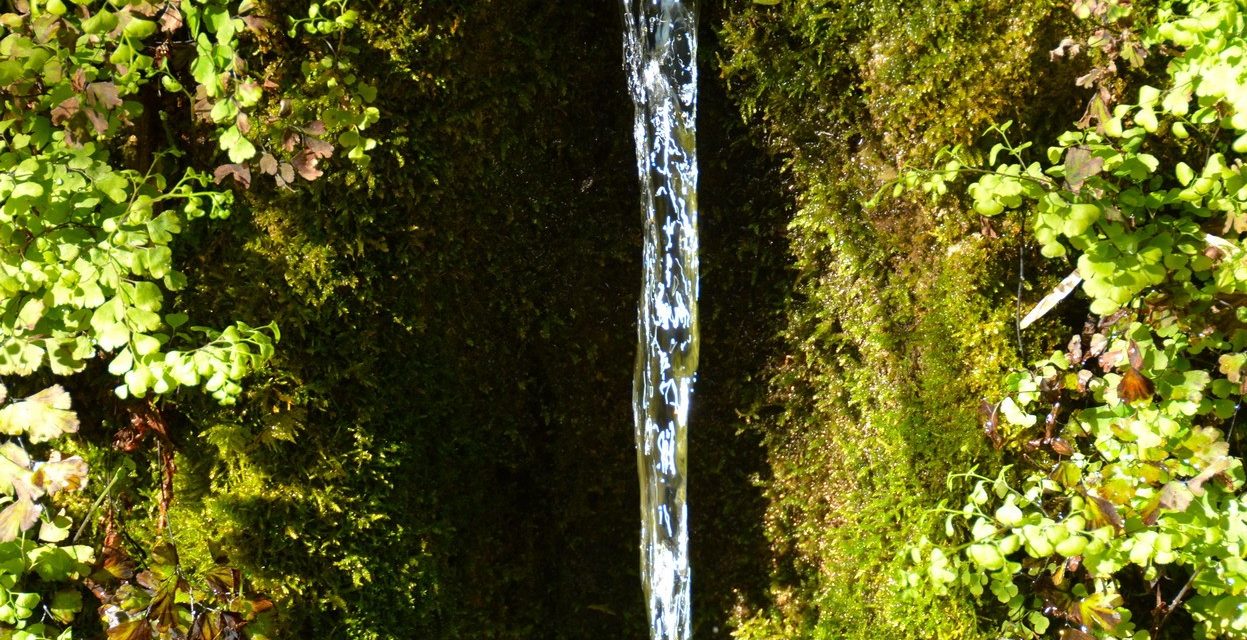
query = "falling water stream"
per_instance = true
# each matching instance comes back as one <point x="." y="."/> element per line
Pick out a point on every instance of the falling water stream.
<point x="660" y="52"/>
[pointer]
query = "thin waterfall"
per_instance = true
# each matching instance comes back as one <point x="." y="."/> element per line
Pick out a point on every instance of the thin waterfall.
<point x="660" y="53"/>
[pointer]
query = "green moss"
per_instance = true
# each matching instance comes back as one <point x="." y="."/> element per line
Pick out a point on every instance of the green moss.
<point x="902" y="320"/>
<point x="442" y="445"/>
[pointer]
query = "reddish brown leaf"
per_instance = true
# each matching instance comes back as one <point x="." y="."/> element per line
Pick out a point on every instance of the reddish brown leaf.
<point x="289" y="140"/>
<point x="285" y="174"/>
<point x="316" y="128"/>
<point x="240" y="173"/>
<point x="98" y="120"/>
<point x="260" y="605"/>
<point x="103" y="94"/>
<point x="319" y="148"/>
<point x="66" y="110"/>
<point x="990" y="415"/>
<point x="1050" y="422"/>
<point x="305" y="163"/>
<point x="1061" y="447"/>
<point x="1134" y="386"/>
<point x="268" y="164"/>
<point x="1134" y="355"/>
<point x="147" y="580"/>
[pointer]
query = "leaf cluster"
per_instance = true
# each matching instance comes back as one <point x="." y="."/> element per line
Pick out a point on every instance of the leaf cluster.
<point x="91" y="201"/>
<point x="1127" y="503"/>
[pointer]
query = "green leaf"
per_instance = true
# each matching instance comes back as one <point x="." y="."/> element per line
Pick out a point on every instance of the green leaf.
<point x="1184" y="173"/>
<point x="57" y="564"/>
<point x="147" y="296"/>
<point x="28" y="190"/>
<point x="65" y="605"/>
<point x="56" y="529"/>
<point x="139" y="28"/>
<point x="10" y="71"/>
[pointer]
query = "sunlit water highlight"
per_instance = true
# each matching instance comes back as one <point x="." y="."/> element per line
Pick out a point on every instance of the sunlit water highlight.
<point x="660" y="52"/>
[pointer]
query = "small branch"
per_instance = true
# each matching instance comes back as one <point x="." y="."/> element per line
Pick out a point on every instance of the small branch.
<point x="1173" y="604"/>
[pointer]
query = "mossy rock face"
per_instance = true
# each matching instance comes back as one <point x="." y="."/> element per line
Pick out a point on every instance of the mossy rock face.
<point x="903" y="317"/>
<point x="443" y="446"/>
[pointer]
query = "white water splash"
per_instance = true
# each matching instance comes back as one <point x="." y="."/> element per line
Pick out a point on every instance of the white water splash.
<point x="660" y="52"/>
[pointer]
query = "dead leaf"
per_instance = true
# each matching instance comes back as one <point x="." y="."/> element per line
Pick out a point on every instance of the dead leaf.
<point x="1073" y="350"/>
<point x="1080" y="164"/>
<point x="207" y="626"/>
<point x="1103" y="513"/>
<point x="285" y="174"/>
<point x="98" y="120"/>
<point x="305" y="163"/>
<point x="240" y="173"/>
<point x="1084" y="377"/>
<point x="1134" y="356"/>
<point x="1067" y="46"/>
<point x="132" y="630"/>
<point x="1063" y="289"/>
<point x="224" y="581"/>
<point x="58" y="475"/>
<point x="170" y="18"/>
<point x="318" y="147"/>
<point x="66" y="110"/>
<point x="19" y="516"/>
<point x="163" y="609"/>
<point x="1134" y="386"/>
<point x="257" y="24"/>
<point x="1175" y="496"/>
<point x="1196" y="484"/>
<point x="268" y="164"/>
<point x="103" y="94"/>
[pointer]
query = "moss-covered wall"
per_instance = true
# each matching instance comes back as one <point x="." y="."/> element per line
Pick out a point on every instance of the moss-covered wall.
<point x="903" y="314"/>
<point x="457" y="346"/>
<point x="443" y="446"/>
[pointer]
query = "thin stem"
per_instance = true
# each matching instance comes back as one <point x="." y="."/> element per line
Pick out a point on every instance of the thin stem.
<point x="1173" y="604"/>
<point x="98" y="501"/>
